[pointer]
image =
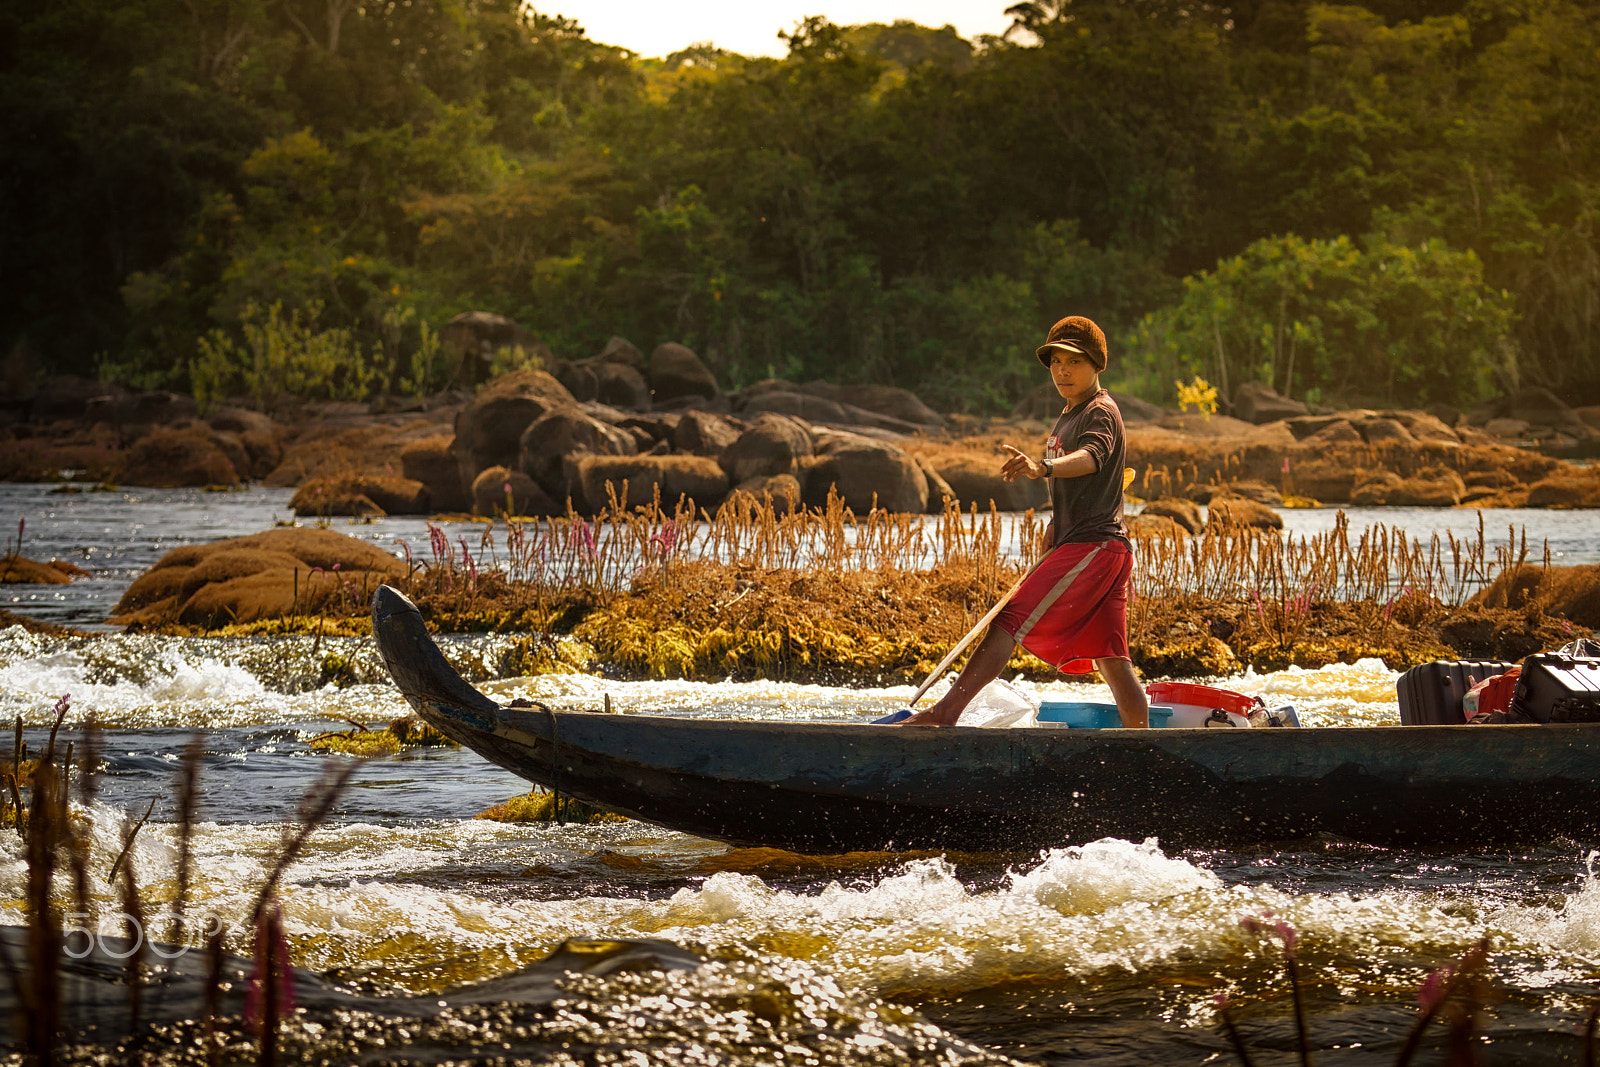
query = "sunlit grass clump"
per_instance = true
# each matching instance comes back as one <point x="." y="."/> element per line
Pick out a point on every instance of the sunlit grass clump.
<point x="540" y="806"/>
<point x="401" y="734"/>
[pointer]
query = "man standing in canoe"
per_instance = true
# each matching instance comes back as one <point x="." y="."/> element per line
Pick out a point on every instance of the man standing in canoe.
<point x="1073" y="608"/>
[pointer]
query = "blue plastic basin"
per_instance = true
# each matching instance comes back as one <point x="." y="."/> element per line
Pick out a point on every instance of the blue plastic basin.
<point x="1090" y="715"/>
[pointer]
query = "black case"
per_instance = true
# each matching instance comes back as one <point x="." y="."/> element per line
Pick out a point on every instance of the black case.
<point x="1430" y="694"/>
<point x="1558" y="688"/>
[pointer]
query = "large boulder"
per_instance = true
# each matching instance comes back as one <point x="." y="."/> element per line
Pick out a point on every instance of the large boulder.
<point x="474" y="337"/>
<point x="20" y="570"/>
<point x="617" y="384"/>
<point x="1566" y="489"/>
<point x="783" y="398"/>
<point x="489" y="429"/>
<point x="1426" y="426"/>
<point x="701" y="433"/>
<point x="889" y="400"/>
<point x="431" y="462"/>
<point x="976" y="480"/>
<point x="1259" y="403"/>
<point x="867" y="473"/>
<point x="784" y="490"/>
<point x="1184" y="513"/>
<point x="1431" y="487"/>
<point x="168" y="458"/>
<point x="624" y="352"/>
<point x="277" y="573"/>
<point x="499" y="490"/>
<point x="1380" y="429"/>
<point x="675" y="372"/>
<point x="1236" y="512"/>
<point x="636" y="479"/>
<point x="360" y="494"/>
<point x="772" y="445"/>
<point x="563" y="432"/>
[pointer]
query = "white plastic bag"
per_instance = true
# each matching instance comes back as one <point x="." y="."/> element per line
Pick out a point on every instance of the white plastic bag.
<point x="999" y="704"/>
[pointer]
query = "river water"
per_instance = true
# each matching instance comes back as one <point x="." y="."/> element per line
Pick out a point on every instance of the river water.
<point x="1112" y="953"/>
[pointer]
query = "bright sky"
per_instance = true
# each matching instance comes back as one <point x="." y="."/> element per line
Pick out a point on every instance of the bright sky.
<point x="658" y="28"/>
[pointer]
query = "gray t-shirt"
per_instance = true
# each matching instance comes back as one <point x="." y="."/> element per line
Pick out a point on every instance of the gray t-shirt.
<point x="1088" y="509"/>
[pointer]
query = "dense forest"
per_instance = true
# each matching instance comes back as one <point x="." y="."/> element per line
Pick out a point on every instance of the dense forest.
<point x="1390" y="204"/>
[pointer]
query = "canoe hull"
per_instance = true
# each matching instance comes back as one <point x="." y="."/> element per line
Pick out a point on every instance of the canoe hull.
<point x="826" y="788"/>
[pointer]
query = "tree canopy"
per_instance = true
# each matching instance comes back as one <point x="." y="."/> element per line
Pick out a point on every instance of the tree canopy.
<point x="1393" y="202"/>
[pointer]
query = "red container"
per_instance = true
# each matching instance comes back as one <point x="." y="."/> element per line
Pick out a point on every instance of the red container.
<point x="1192" y="704"/>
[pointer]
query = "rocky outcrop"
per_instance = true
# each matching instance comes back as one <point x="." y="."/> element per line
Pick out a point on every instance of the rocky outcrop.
<point x="267" y="575"/>
<point x="500" y="490"/>
<point x="361" y="495"/>
<point x="1184" y="513"/>
<point x="819" y="402"/>
<point x="431" y="462"/>
<point x="772" y="445"/>
<point x="784" y="490"/>
<point x="1432" y="487"/>
<point x="700" y="433"/>
<point x="865" y="473"/>
<point x="636" y="480"/>
<point x="1566" y="490"/>
<point x="676" y="373"/>
<point x="899" y="404"/>
<point x="1237" y="512"/>
<point x="1259" y="403"/>
<point x="193" y="456"/>
<point x="615" y="377"/>
<point x="563" y="434"/>
<point x="489" y="429"/>
<point x="1145" y="524"/>
<point x="20" y="570"/>
<point x="975" y="480"/>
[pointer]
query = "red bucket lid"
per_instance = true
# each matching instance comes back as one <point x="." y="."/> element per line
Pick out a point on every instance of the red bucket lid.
<point x="1203" y="696"/>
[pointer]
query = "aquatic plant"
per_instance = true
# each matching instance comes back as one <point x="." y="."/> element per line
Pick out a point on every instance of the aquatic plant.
<point x="51" y="833"/>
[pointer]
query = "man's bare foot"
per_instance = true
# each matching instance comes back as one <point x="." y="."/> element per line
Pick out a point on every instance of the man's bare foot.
<point x="934" y="716"/>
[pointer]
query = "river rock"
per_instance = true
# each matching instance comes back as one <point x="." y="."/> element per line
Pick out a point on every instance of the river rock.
<point x="1334" y="432"/>
<point x="498" y="489"/>
<point x="1185" y="513"/>
<point x="772" y="445"/>
<point x="20" y="570"/>
<point x="1237" y="511"/>
<point x="701" y="433"/>
<point x="272" y="574"/>
<point x="1566" y="489"/>
<point x="1259" y="403"/>
<point x="865" y="473"/>
<point x="624" y="352"/>
<point x="1432" y="487"/>
<point x="976" y="480"/>
<point x="565" y="431"/>
<point x="168" y="458"/>
<point x="784" y="490"/>
<point x="697" y="478"/>
<point x="1426" y="426"/>
<point x="361" y="495"/>
<point x="431" y="462"/>
<point x="489" y="429"/>
<point x="889" y="400"/>
<point x="675" y="371"/>
<point x="1379" y="430"/>
<point x="1146" y="525"/>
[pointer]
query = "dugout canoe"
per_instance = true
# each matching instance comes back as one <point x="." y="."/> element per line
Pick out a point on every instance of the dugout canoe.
<point x="838" y="787"/>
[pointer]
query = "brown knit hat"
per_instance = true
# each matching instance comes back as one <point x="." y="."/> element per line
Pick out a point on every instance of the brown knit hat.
<point x="1075" y="334"/>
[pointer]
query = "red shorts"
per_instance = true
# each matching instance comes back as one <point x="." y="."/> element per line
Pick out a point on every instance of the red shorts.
<point x="1073" y="608"/>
